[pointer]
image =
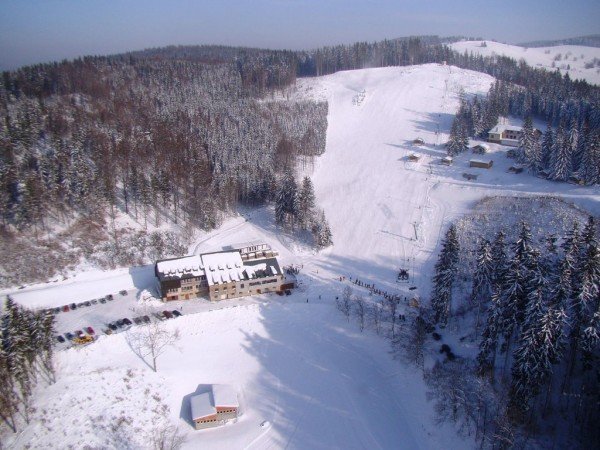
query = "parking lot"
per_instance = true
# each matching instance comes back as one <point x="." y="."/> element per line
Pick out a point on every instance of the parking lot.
<point x="117" y="312"/>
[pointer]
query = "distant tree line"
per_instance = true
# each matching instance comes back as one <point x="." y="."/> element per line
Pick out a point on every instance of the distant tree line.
<point x="26" y="356"/>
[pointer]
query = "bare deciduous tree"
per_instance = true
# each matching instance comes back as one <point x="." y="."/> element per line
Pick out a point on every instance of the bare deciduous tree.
<point x="152" y="340"/>
<point x="167" y="437"/>
<point x="344" y="304"/>
<point x="375" y="314"/>
<point x="359" y="311"/>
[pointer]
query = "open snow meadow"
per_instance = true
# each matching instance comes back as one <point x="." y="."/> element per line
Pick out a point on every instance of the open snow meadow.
<point x="307" y="378"/>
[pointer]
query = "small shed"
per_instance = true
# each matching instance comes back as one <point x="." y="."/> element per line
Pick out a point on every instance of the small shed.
<point x="573" y="179"/>
<point x="418" y="141"/>
<point x="481" y="163"/>
<point x="480" y="149"/>
<point x="204" y="414"/>
<point x="413" y="157"/>
<point x="226" y="401"/>
<point x="470" y="176"/>
<point x="517" y="168"/>
<point x="446" y="160"/>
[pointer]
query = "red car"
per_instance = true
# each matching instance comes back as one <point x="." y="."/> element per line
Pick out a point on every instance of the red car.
<point x="168" y="314"/>
<point x="90" y="330"/>
<point x="66" y="308"/>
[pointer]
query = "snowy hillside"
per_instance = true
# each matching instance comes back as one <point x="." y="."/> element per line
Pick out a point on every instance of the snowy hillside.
<point x="311" y="379"/>
<point x="571" y="59"/>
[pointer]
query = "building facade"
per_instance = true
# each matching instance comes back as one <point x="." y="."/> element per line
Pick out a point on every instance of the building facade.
<point x="247" y="270"/>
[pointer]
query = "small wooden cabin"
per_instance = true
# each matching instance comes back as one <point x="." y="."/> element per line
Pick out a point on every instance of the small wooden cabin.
<point x="418" y="141"/>
<point x="413" y="157"/>
<point x="447" y="160"/>
<point x="480" y="149"/>
<point x="481" y="164"/>
<point x="470" y="176"/>
<point x="516" y="168"/>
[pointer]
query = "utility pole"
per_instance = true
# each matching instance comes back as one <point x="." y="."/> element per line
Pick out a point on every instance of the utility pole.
<point x="416" y="226"/>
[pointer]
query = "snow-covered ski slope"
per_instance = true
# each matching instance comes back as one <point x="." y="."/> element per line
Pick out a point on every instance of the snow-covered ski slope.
<point x="569" y="59"/>
<point x="313" y="379"/>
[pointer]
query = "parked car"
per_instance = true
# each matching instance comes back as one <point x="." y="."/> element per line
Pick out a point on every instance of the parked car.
<point x="79" y="333"/>
<point x="80" y="305"/>
<point x="102" y="300"/>
<point x="56" y="310"/>
<point x="288" y="292"/>
<point x="176" y="313"/>
<point x="108" y="331"/>
<point x="280" y="293"/>
<point x="112" y="326"/>
<point x="66" y="308"/>
<point x="87" y="303"/>
<point x="94" y="302"/>
<point x="120" y="323"/>
<point x="109" y="297"/>
<point x="146" y="319"/>
<point x="137" y="320"/>
<point x="73" y="305"/>
<point x="126" y="321"/>
<point x="69" y="335"/>
<point x="60" y="339"/>
<point x="168" y="314"/>
<point x="90" y="330"/>
<point x="123" y="292"/>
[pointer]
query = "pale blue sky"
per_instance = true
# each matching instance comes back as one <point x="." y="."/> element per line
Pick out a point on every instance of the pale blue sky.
<point x="34" y="31"/>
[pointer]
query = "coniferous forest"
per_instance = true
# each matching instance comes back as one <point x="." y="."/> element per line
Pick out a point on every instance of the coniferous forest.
<point x="532" y="306"/>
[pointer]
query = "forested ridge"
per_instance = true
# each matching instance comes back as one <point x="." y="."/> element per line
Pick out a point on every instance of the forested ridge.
<point x="184" y="134"/>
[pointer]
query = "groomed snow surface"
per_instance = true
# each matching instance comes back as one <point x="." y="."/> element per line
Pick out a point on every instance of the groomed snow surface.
<point x="313" y="380"/>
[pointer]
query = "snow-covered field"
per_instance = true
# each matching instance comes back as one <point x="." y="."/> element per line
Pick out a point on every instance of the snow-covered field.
<point x="569" y="59"/>
<point x="298" y="365"/>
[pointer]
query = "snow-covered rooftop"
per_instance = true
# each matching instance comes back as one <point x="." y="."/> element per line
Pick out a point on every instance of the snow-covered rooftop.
<point x="191" y="265"/>
<point x="502" y="128"/>
<point x="225" y="395"/>
<point x="202" y="406"/>
<point x="223" y="267"/>
<point x="262" y="268"/>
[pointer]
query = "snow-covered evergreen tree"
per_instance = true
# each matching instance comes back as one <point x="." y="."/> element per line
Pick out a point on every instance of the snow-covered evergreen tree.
<point x="286" y="200"/>
<point x="443" y="279"/>
<point x="561" y="157"/>
<point x="321" y="232"/>
<point x="306" y="204"/>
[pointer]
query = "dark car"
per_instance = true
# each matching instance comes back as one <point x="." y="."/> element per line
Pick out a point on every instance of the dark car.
<point x="112" y="326"/>
<point x="102" y="300"/>
<point x="146" y="319"/>
<point x="60" y="339"/>
<point x="288" y="292"/>
<point x="73" y="305"/>
<point x="176" y="313"/>
<point x="123" y="292"/>
<point x="94" y="302"/>
<point x="69" y="336"/>
<point x="280" y="293"/>
<point x="168" y="314"/>
<point x="90" y="330"/>
<point x="137" y="320"/>
<point x="120" y="323"/>
<point x="126" y="321"/>
<point x="87" y="303"/>
<point x="56" y="310"/>
<point x="66" y="308"/>
<point x="109" y="297"/>
<point x="80" y="305"/>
